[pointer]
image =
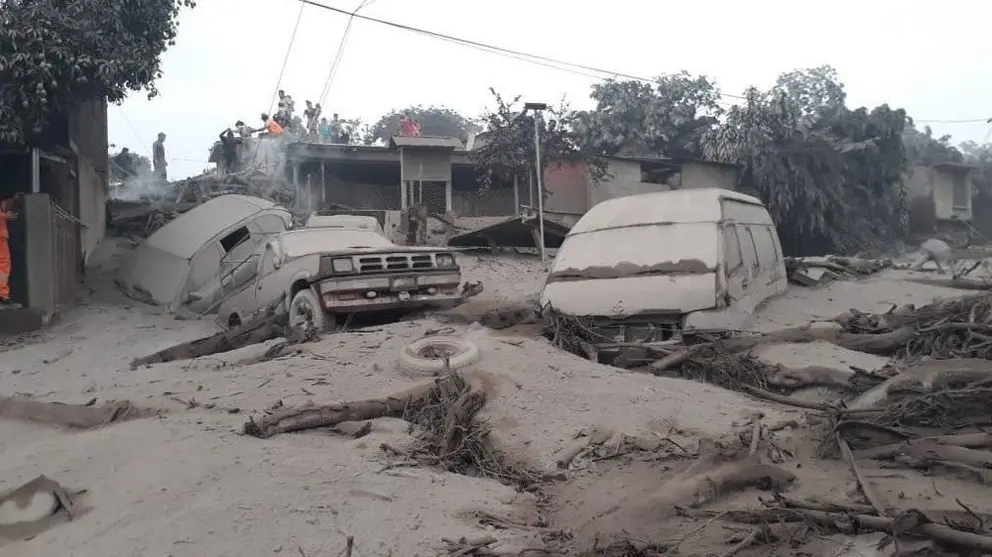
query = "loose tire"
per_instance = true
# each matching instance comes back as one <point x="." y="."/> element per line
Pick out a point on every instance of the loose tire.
<point x="306" y="307"/>
<point x="426" y="356"/>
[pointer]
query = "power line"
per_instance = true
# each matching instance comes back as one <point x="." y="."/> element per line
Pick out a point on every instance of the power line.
<point x="282" y="70"/>
<point x="580" y="69"/>
<point x="285" y="60"/>
<point x="970" y="121"/>
<point x="133" y="129"/>
<point x="561" y="65"/>
<point x="335" y="64"/>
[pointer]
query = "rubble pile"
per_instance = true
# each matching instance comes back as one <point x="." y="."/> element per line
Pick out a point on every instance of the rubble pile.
<point x="813" y="271"/>
<point x="928" y="410"/>
<point x="140" y="218"/>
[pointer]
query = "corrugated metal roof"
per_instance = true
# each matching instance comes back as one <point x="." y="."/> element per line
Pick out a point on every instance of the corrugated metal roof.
<point x="184" y="236"/>
<point x="426" y="142"/>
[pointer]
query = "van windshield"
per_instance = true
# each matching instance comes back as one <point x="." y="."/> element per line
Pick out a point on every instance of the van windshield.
<point x="661" y="249"/>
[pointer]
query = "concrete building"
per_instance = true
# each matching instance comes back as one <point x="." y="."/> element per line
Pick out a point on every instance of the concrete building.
<point x="938" y="194"/>
<point x="435" y="170"/>
<point x="64" y="174"/>
<point x="570" y="189"/>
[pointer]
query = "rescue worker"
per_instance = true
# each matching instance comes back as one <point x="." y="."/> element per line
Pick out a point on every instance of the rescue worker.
<point x="270" y="125"/>
<point x="6" y="213"/>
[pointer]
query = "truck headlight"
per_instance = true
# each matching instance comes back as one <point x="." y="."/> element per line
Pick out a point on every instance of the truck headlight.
<point x="445" y="260"/>
<point x="342" y="265"/>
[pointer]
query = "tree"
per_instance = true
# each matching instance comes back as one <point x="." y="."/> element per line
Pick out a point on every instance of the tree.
<point x="54" y="54"/>
<point x="924" y="148"/>
<point x="669" y="118"/>
<point x="434" y="120"/>
<point x="830" y="176"/>
<point x="508" y="147"/>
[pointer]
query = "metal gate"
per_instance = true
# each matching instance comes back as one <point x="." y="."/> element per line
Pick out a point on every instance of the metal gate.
<point x="65" y="240"/>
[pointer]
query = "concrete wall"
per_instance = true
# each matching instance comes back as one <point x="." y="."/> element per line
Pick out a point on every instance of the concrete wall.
<point x="92" y="207"/>
<point x="931" y="195"/>
<point x="566" y="188"/>
<point x="88" y="132"/>
<point x="624" y="179"/>
<point x="701" y="175"/>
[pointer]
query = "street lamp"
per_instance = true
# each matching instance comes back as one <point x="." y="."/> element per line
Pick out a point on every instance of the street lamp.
<point x="538" y="169"/>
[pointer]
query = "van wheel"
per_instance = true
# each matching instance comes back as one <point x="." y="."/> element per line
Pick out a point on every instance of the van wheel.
<point x="305" y="309"/>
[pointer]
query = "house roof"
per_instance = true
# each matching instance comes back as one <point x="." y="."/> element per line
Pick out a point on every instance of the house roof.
<point x="954" y="167"/>
<point x="426" y="142"/>
<point x="673" y="162"/>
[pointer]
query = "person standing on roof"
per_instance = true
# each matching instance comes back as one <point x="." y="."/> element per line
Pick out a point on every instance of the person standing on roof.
<point x="324" y="130"/>
<point x="229" y="149"/>
<point x="408" y="126"/>
<point x="125" y="163"/>
<point x="335" y="129"/>
<point x="270" y="125"/>
<point x="244" y="130"/>
<point x="158" y="158"/>
<point x="6" y="214"/>
<point x="310" y="113"/>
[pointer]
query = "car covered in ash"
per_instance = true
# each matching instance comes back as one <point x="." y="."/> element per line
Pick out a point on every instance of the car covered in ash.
<point x="321" y="274"/>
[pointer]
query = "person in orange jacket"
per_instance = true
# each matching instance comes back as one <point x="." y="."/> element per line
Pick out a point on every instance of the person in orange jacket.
<point x="6" y="213"/>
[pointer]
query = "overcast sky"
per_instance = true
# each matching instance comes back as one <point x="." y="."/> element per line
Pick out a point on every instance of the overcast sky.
<point x="932" y="58"/>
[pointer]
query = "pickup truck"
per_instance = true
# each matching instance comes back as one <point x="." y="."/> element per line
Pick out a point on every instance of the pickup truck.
<point x="319" y="274"/>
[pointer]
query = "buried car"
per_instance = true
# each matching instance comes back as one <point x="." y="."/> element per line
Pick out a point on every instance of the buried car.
<point x="193" y="262"/>
<point x="651" y="267"/>
<point x="318" y="274"/>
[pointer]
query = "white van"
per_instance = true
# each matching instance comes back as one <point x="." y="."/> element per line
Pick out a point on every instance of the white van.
<point x="650" y="267"/>
<point x="203" y="255"/>
<point x="347" y="222"/>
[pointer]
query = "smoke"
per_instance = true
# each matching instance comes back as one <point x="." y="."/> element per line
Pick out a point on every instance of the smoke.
<point x="143" y="185"/>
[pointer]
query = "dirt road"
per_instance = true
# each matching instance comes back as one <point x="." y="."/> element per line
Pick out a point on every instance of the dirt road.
<point x="188" y="483"/>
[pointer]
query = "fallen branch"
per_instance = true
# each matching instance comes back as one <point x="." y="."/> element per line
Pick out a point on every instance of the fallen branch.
<point x="69" y="415"/>
<point x="969" y="440"/>
<point x="959" y="283"/>
<point x="300" y="418"/>
<point x="255" y="331"/>
<point x="845" y="452"/>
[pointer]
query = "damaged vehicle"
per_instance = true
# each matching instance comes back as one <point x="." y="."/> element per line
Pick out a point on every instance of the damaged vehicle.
<point x="353" y="222"/>
<point x="655" y="267"/>
<point x="320" y="274"/>
<point x="196" y="260"/>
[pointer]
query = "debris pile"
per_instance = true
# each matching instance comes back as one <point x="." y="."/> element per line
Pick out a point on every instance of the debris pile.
<point x="813" y="271"/>
<point x="140" y="218"/>
<point x="926" y="411"/>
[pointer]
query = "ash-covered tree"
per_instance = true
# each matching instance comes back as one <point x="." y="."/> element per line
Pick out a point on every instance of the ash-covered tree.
<point x="434" y="120"/>
<point x="831" y="176"/>
<point x="507" y="146"/>
<point x="923" y="148"/>
<point x="55" y="54"/>
<point x="668" y="118"/>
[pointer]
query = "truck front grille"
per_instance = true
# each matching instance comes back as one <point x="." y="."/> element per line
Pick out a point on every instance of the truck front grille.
<point x="389" y="263"/>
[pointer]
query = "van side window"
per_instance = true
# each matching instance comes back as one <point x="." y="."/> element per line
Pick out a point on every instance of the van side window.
<point x="754" y="247"/>
<point x="231" y="241"/>
<point x="771" y="238"/>
<point x="731" y="249"/>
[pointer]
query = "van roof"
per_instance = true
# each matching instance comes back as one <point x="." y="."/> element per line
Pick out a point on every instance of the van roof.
<point x="185" y="235"/>
<point x="675" y="206"/>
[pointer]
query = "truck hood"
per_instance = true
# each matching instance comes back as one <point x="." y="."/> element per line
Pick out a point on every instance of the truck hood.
<point x="633" y="295"/>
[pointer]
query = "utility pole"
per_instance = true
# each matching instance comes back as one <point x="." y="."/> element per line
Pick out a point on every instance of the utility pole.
<point x="539" y="170"/>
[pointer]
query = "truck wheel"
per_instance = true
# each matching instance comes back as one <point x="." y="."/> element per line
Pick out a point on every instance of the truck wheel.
<point x="304" y="308"/>
<point x="426" y="356"/>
